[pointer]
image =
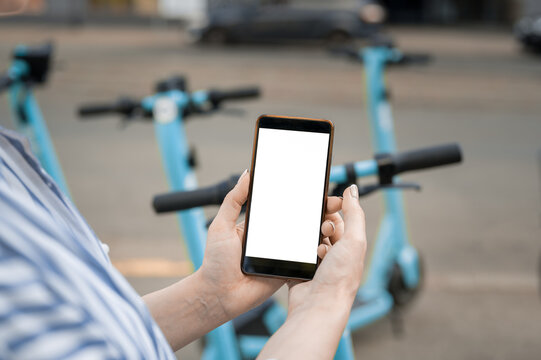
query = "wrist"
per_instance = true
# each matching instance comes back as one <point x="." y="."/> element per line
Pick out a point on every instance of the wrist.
<point x="312" y="330"/>
<point x="225" y="293"/>
<point x="189" y="301"/>
<point x="331" y="308"/>
<point x="210" y="296"/>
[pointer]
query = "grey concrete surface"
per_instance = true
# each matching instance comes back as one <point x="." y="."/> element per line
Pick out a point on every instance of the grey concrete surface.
<point x="477" y="224"/>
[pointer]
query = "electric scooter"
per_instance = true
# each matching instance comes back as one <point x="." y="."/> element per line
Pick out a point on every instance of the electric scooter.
<point x="169" y="108"/>
<point x="395" y="273"/>
<point x="383" y="166"/>
<point x="30" y="68"/>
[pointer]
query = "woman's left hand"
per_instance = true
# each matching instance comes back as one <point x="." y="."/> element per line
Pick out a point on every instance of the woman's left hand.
<point x="221" y="265"/>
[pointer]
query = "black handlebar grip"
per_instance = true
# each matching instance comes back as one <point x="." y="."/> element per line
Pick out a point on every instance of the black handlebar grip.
<point x="426" y="158"/>
<point x="125" y="106"/>
<point x="217" y="96"/>
<point x="183" y="200"/>
<point x="96" y="109"/>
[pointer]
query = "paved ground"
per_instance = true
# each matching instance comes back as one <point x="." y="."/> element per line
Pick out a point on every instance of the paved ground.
<point x="478" y="225"/>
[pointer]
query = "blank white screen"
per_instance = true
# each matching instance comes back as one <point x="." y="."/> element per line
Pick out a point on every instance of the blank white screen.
<point x="287" y="195"/>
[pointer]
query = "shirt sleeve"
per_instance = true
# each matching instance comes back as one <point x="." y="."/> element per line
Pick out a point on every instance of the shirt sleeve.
<point x="37" y="323"/>
<point x="60" y="296"/>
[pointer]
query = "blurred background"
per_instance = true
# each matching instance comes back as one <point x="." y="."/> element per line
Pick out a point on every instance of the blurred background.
<point x="477" y="224"/>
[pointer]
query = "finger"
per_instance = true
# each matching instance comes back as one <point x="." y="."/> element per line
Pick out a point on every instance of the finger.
<point x="334" y="204"/>
<point x="326" y="241"/>
<point x="354" y="226"/>
<point x="322" y="250"/>
<point x="230" y="210"/>
<point x="328" y="228"/>
<point x="338" y="222"/>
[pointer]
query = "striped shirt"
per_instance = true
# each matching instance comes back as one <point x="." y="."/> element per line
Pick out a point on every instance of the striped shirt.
<point x="60" y="296"/>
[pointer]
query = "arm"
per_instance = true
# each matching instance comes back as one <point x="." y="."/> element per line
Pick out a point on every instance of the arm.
<point x="186" y="310"/>
<point x="310" y="333"/>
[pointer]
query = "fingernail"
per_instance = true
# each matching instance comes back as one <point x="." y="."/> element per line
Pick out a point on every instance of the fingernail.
<point x="332" y="224"/>
<point x="354" y="191"/>
<point x="243" y="174"/>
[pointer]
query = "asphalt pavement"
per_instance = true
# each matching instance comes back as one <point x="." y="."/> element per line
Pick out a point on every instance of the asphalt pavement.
<point x="477" y="224"/>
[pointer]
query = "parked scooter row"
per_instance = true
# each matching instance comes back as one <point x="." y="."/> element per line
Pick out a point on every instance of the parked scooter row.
<point x="394" y="274"/>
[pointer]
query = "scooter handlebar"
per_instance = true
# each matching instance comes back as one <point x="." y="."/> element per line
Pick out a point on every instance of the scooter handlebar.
<point x="404" y="59"/>
<point x="426" y="158"/>
<point x="96" y="109"/>
<point x="38" y="60"/>
<point x="415" y="59"/>
<point x="402" y="162"/>
<point x="124" y="106"/>
<point x="218" y="96"/>
<point x="183" y="200"/>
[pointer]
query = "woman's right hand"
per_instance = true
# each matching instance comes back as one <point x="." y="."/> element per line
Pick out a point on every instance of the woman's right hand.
<point x="338" y="277"/>
<point x="319" y="309"/>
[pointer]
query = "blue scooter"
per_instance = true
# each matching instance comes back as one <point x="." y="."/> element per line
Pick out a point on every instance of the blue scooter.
<point x="382" y="166"/>
<point x="30" y="68"/>
<point x="170" y="106"/>
<point x="395" y="273"/>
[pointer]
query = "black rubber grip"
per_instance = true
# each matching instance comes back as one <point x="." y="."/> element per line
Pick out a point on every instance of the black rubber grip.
<point x="413" y="59"/>
<point x="5" y="82"/>
<point x="217" y="96"/>
<point x="183" y="200"/>
<point x="96" y="109"/>
<point x="124" y="106"/>
<point x="426" y="158"/>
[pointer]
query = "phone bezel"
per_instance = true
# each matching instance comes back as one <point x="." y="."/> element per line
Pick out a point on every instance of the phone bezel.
<point x="274" y="267"/>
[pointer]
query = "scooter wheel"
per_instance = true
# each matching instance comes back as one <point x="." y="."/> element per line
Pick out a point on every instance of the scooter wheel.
<point x="402" y="294"/>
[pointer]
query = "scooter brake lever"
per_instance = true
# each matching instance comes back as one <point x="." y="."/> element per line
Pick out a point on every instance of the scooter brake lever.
<point x="123" y="123"/>
<point x="404" y="186"/>
<point x="368" y="189"/>
<point x="237" y="112"/>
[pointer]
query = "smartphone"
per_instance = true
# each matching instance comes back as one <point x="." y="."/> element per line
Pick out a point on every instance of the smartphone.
<point x="287" y="198"/>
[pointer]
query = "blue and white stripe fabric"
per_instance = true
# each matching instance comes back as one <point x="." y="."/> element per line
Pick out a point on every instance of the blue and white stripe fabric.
<point x="60" y="296"/>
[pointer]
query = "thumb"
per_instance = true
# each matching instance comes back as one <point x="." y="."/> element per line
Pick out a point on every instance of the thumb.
<point x="230" y="210"/>
<point x="354" y="225"/>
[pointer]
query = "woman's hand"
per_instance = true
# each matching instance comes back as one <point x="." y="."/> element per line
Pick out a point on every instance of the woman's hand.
<point x="319" y="309"/>
<point x="221" y="264"/>
<point x="218" y="291"/>
<point x="342" y="252"/>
